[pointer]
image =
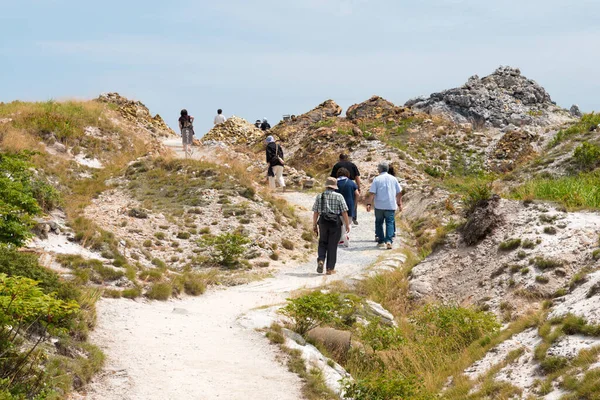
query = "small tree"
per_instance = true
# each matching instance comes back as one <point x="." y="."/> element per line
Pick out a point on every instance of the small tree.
<point x="24" y="308"/>
<point x="227" y="248"/>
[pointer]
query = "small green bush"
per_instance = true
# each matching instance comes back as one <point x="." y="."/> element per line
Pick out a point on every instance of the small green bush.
<point x="132" y="293"/>
<point x="160" y="291"/>
<point x="553" y="364"/>
<point x="287" y="244"/>
<point x="528" y="244"/>
<point x="194" y="284"/>
<point x="317" y="308"/>
<point x="152" y="275"/>
<point x="509" y="245"/>
<point x="381" y="337"/>
<point x="587" y="156"/>
<point x="160" y="235"/>
<point x="542" y="279"/>
<point x="227" y="248"/>
<point x="183" y="235"/>
<point x="550" y="230"/>
<point x="546" y="263"/>
<point x="107" y="274"/>
<point x="386" y="386"/>
<point x="147" y="243"/>
<point x="479" y="191"/>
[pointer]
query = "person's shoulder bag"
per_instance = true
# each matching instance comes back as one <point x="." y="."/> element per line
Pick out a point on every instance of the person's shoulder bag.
<point x="279" y="159"/>
<point x="327" y="217"/>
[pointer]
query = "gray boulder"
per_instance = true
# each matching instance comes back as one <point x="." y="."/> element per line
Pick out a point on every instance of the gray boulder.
<point x="575" y="111"/>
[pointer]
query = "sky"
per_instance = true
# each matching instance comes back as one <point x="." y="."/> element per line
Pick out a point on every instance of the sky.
<point x="267" y="58"/>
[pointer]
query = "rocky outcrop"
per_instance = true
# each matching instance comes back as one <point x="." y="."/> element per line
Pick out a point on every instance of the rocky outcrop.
<point x="324" y="111"/>
<point x="136" y="112"/>
<point x="234" y="131"/>
<point x="482" y="220"/>
<point x="498" y="100"/>
<point x="513" y="148"/>
<point x="374" y="108"/>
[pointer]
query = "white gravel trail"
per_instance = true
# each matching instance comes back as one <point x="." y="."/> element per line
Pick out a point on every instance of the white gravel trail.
<point x="195" y="348"/>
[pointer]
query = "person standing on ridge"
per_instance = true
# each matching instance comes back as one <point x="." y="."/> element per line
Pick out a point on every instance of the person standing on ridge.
<point x="187" y="132"/>
<point x="265" y="126"/>
<point x="386" y="193"/>
<point x="258" y="123"/>
<point x="328" y="211"/>
<point x="219" y="118"/>
<point x="345" y="162"/>
<point x="275" y="161"/>
<point x="349" y="190"/>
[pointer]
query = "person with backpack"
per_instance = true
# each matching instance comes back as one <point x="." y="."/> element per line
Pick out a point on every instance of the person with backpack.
<point x="349" y="190"/>
<point x="274" y="154"/>
<point x="345" y="162"/>
<point x="329" y="210"/>
<point x="265" y="126"/>
<point x="187" y="132"/>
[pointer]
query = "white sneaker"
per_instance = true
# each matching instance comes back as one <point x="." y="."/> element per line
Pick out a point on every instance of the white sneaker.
<point x="381" y="245"/>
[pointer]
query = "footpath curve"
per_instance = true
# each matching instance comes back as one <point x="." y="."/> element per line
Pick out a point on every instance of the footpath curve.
<point x="195" y="347"/>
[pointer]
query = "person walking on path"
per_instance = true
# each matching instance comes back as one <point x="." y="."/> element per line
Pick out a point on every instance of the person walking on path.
<point x="328" y="212"/>
<point x="186" y="127"/>
<point x="386" y="195"/>
<point x="275" y="161"/>
<point x="265" y="126"/>
<point x="354" y="175"/>
<point x="219" y="118"/>
<point x="349" y="190"/>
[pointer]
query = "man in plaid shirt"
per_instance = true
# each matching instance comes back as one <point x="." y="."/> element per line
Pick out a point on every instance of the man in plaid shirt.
<point x="328" y="208"/>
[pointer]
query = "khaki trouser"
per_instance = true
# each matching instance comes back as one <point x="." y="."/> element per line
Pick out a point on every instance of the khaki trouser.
<point x="278" y="178"/>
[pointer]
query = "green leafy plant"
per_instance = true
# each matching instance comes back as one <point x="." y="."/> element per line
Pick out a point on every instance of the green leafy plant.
<point x="509" y="245"/>
<point x="227" y="248"/>
<point x="381" y="337"/>
<point x="24" y="308"/>
<point x="317" y="308"/>
<point x="387" y="386"/>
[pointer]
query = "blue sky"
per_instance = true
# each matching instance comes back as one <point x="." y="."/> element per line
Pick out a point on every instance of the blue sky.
<point x="266" y="58"/>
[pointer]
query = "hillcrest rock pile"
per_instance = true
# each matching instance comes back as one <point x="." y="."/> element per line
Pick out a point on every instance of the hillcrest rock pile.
<point x="325" y="110"/>
<point x="501" y="99"/>
<point x="374" y="108"/>
<point x="137" y="113"/>
<point x="234" y="131"/>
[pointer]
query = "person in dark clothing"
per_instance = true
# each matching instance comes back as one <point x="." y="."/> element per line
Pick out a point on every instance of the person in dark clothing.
<point x="349" y="190"/>
<point x="354" y="175"/>
<point x="265" y="125"/>
<point x="328" y="211"/>
<point x="274" y="154"/>
<point x="258" y="123"/>
<point x="186" y="126"/>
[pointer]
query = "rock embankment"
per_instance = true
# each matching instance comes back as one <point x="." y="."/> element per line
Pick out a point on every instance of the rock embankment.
<point x="503" y="98"/>
<point x="234" y="131"/>
<point x="137" y="113"/>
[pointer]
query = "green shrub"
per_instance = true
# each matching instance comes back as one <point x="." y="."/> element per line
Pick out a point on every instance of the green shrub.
<point x="553" y="364"/>
<point x="183" y="235"/>
<point x="542" y="279"/>
<point x="227" y="248"/>
<point x="509" y="245"/>
<point x="546" y="263"/>
<point x="287" y="244"/>
<point x="434" y="172"/>
<point x="160" y="291"/>
<point x="132" y="293"/>
<point x="317" y="308"/>
<point x="550" y="230"/>
<point x="18" y="205"/>
<point x="458" y="326"/>
<point x="111" y="293"/>
<point x="24" y="305"/>
<point x="387" y="386"/>
<point x="160" y="235"/>
<point x="194" y="284"/>
<point x="596" y="254"/>
<point x="147" y="243"/>
<point x="479" y="191"/>
<point x="528" y="244"/>
<point x="587" y="122"/>
<point x="381" y="337"/>
<point x="152" y="275"/>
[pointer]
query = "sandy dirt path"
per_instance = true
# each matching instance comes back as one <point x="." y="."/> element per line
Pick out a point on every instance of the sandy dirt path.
<point x="196" y="348"/>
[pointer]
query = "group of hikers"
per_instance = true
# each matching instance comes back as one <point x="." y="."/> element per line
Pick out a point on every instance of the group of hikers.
<point x="338" y="204"/>
<point x="334" y="208"/>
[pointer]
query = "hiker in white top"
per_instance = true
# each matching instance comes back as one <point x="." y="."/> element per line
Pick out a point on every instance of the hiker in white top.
<point x="220" y="118"/>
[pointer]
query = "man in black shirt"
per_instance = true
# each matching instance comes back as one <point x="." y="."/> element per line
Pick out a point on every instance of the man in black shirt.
<point x="344" y="162"/>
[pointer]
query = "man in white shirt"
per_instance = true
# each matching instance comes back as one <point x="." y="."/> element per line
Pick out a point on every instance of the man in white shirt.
<point x="220" y="118"/>
<point x="386" y="194"/>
